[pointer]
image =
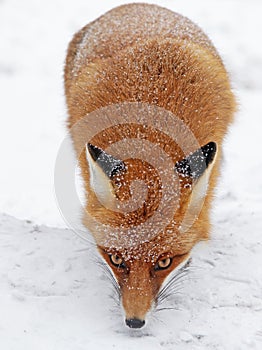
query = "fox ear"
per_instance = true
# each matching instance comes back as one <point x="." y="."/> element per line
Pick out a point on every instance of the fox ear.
<point x="107" y="163"/>
<point x="196" y="164"/>
<point x="197" y="168"/>
<point x="102" y="167"/>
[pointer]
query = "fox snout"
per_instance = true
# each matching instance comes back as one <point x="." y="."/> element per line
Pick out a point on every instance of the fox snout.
<point x="137" y="298"/>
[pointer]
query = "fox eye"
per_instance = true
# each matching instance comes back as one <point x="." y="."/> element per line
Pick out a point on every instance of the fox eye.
<point x="117" y="261"/>
<point x="163" y="264"/>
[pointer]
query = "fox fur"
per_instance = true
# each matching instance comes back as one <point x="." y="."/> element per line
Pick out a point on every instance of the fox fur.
<point x="144" y="53"/>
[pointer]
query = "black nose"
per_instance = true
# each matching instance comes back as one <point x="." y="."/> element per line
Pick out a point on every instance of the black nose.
<point x="135" y="323"/>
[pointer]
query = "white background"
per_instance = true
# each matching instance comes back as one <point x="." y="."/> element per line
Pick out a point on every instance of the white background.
<point x="50" y="297"/>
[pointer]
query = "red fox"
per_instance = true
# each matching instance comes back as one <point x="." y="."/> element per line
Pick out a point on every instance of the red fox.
<point x="162" y="85"/>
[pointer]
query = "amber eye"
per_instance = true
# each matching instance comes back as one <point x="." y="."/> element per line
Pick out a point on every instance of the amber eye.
<point x="117" y="261"/>
<point x="163" y="264"/>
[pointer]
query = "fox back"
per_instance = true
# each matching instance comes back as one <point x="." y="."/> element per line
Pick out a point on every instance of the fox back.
<point x="158" y="81"/>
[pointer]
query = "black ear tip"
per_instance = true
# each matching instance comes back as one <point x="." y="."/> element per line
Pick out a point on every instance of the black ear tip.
<point x="212" y="146"/>
<point x="94" y="151"/>
<point x="89" y="146"/>
<point x="109" y="164"/>
<point x="197" y="162"/>
<point x="209" y="152"/>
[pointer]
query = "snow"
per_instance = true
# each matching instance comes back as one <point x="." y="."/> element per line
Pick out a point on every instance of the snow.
<point x="53" y="294"/>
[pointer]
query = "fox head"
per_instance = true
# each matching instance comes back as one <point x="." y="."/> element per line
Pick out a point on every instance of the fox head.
<point x="140" y="269"/>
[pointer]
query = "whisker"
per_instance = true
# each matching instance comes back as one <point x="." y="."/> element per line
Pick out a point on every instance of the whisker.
<point x="179" y="283"/>
<point x="111" y="277"/>
<point x="175" y="279"/>
<point x="172" y="293"/>
<point x="116" y="301"/>
<point x="175" y="287"/>
<point x="169" y="295"/>
<point x="176" y="283"/>
<point x="175" y="290"/>
<point x="84" y="235"/>
<point x="166" y="308"/>
<point x="157" y="319"/>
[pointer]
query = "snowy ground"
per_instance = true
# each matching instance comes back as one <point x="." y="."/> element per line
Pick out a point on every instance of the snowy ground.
<point x="50" y="295"/>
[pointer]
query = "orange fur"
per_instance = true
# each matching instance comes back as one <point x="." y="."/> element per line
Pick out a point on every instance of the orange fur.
<point x="148" y="54"/>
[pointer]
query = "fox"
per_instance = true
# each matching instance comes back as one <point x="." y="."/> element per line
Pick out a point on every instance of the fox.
<point x="158" y="69"/>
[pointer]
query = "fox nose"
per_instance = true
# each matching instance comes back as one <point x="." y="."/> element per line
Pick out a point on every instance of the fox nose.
<point x="135" y="323"/>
